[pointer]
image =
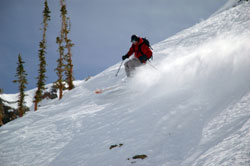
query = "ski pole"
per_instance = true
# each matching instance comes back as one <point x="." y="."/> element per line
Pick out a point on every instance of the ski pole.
<point x="153" y="66"/>
<point x="119" y="69"/>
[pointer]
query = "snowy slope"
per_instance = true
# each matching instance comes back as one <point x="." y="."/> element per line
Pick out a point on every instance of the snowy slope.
<point x="193" y="110"/>
<point x="229" y="5"/>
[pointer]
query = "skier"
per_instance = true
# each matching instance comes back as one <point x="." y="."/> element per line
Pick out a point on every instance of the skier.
<point x="142" y="52"/>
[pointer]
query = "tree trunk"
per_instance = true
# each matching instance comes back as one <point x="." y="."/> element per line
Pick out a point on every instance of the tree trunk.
<point x="36" y="103"/>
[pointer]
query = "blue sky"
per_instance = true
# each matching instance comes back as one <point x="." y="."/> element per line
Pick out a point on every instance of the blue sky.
<point x="100" y="30"/>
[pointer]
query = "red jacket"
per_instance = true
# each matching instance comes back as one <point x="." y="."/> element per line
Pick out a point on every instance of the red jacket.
<point x="135" y="49"/>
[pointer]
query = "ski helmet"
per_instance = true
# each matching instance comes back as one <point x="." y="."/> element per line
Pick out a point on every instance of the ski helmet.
<point x="134" y="38"/>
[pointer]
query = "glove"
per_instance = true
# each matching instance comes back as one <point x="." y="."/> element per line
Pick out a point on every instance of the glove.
<point x="125" y="57"/>
<point x="143" y="58"/>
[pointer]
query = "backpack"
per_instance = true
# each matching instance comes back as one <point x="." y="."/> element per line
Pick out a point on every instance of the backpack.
<point x="145" y="41"/>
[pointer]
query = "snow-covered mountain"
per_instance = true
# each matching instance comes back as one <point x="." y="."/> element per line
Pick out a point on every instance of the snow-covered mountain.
<point x="191" y="109"/>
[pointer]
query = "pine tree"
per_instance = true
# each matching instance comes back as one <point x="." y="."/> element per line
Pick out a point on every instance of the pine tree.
<point x="64" y="62"/>
<point x="60" y="62"/>
<point x="60" y="67"/>
<point x="68" y="68"/>
<point x="42" y="66"/>
<point x="21" y="79"/>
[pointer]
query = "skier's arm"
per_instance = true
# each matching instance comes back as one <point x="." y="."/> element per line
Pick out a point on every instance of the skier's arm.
<point x="131" y="51"/>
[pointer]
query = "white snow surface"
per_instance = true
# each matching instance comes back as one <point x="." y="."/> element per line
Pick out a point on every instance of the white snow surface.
<point x="192" y="109"/>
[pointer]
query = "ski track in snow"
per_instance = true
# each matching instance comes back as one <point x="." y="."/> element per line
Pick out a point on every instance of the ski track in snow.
<point x="193" y="110"/>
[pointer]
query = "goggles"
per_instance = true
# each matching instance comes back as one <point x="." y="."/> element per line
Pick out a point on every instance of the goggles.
<point x="133" y="41"/>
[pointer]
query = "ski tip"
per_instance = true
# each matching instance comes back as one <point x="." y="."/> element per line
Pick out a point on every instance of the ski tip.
<point x="98" y="91"/>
